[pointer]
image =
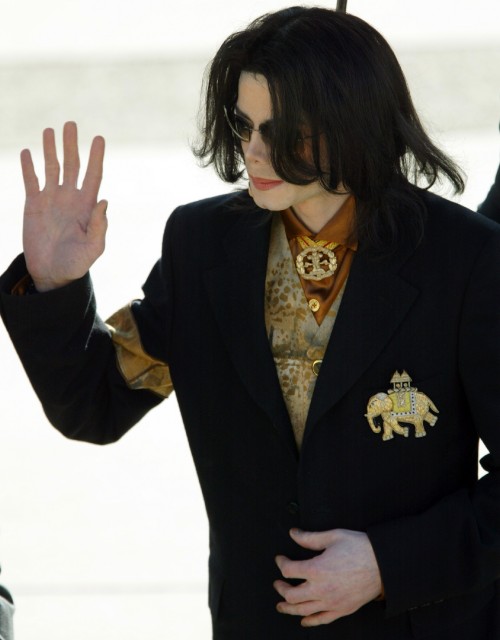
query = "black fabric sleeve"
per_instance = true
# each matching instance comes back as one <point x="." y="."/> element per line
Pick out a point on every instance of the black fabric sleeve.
<point x="68" y="354"/>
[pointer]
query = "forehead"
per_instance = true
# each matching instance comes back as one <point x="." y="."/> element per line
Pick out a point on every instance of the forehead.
<point x="254" y="99"/>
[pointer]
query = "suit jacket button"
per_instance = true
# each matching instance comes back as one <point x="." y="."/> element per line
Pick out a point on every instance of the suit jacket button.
<point x="293" y="508"/>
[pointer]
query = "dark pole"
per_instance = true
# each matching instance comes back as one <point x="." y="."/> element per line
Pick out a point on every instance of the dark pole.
<point x="341" y="5"/>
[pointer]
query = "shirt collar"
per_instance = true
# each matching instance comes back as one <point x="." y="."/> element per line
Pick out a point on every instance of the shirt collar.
<point x="338" y="229"/>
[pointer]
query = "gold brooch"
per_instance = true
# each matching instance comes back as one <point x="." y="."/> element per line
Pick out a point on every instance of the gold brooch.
<point x="316" y="260"/>
<point x="403" y="403"/>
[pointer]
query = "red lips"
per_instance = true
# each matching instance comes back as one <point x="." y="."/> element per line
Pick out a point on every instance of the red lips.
<point x="264" y="185"/>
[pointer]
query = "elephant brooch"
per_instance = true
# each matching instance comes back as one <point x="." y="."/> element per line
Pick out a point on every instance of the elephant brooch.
<point x="401" y="404"/>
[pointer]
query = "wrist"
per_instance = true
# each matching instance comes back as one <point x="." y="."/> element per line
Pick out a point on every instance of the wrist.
<point x="44" y="285"/>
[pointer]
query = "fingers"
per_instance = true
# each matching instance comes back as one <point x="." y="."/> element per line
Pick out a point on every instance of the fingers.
<point x="299" y="601"/>
<point x="93" y="175"/>
<point x="292" y="568"/>
<point x="71" y="165"/>
<point x="294" y="595"/>
<point x="323" y="617"/>
<point x="51" y="161"/>
<point x="317" y="541"/>
<point x="302" y="609"/>
<point x="98" y="223"/>
<point x="30" y="180"/>
<point x="71" y="159"/>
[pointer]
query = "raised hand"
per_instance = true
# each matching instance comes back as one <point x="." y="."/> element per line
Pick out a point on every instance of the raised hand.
<point x="64" y="227"/>
<point x="339" y="581"/>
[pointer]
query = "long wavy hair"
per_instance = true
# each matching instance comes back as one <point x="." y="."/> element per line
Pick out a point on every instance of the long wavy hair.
<point x="337" y="74"/>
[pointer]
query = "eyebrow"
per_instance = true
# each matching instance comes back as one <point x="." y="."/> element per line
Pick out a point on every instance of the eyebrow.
<point x="243" y="115"/>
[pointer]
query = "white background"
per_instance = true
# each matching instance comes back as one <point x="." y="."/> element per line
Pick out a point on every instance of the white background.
<point x="111" y="542"/>
<point x="109" y="28"/>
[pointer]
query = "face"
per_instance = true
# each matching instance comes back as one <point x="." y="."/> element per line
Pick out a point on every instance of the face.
<point x="266" y="188"/>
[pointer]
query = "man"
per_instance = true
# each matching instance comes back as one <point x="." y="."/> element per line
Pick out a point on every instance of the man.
<point x="6" y="612"/>
<point x="332" y="337"/>
<point x="491" y="206"/>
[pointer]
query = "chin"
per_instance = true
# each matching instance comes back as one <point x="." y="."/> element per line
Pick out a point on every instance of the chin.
<point x="266" y="200"/>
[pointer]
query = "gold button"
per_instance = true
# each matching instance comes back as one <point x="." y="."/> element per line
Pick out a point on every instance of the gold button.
<point x="316" y="367"/>
<point x="314" y="305"/>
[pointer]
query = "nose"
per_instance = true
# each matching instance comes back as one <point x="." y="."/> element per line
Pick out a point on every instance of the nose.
<point x="255" y="149"/>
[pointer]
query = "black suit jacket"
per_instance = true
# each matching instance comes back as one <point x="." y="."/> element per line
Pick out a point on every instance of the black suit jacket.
<point x="491" y="206"/>
<point x="431" y="308"/>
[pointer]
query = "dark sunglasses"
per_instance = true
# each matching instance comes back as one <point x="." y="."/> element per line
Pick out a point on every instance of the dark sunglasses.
<point x="243" y="131"/>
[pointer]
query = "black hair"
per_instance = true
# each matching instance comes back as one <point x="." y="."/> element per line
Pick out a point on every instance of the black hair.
<point x="336" y="73"/>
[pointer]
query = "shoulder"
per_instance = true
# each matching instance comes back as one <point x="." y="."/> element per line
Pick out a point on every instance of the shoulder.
<point x="451" y="222"/>
<point x="455" y="242"/>
<point x="217" y="209"/>
<point x="203" y="225"/>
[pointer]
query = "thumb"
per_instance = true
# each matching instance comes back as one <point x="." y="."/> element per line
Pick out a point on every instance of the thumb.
<point x="98" y="222"/>
<point x="317" y="541"/>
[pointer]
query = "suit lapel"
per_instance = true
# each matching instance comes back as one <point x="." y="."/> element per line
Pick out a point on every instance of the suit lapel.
<point x="376" y="300"/>
<point x="236" y="290"/>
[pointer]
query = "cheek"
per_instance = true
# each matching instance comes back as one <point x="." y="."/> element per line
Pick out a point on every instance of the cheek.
<point x="243" y="149"/>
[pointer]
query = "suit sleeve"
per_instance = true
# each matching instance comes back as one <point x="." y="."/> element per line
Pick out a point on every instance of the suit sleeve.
<point x="95" y="380"/>
<point x="453" y="548"/>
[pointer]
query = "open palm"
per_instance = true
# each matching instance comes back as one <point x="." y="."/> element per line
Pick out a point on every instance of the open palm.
<point x="64" y="227"/>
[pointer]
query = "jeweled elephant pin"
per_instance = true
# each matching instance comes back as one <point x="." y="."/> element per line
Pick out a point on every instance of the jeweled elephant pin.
<point x="403" y="403"/>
